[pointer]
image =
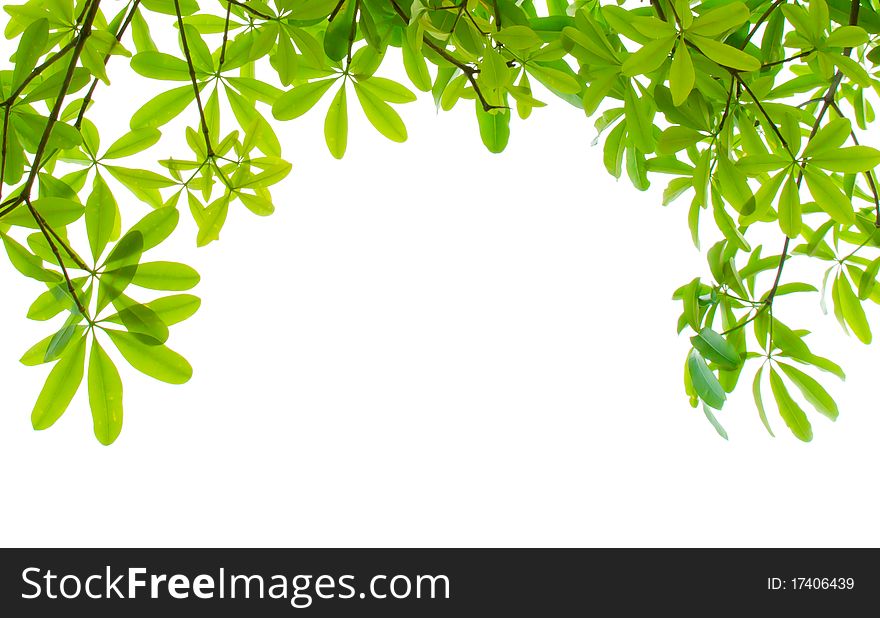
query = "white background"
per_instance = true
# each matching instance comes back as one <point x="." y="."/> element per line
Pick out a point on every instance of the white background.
<point x="428" y="345"/>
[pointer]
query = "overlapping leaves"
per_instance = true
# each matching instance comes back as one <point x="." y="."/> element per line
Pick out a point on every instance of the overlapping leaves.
<point x="756" y="112"/>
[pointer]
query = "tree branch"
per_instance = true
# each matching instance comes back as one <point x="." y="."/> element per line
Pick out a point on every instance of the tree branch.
<point x="44" y="228"/>
<point x="192" y="76"/>
<point x="828" y="100"/>
<point x="465" y="68"/>
<point x="119" y="34"/>
<point x="38" y="71"/>
<point x="225" y="34"/>
<point x="251" y="10"/>
<point x="764" y="17"/>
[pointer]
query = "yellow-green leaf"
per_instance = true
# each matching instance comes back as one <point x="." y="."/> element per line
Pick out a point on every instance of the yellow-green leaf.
<point x="725" y="55"/>
<point x="681" y="75"/>
<point x="60" y="386"/>
<point x="381" y="115"/>
<point x="789" y="410"/>
<point x="336" y="124"/>
<point x="790" y="209"/>
<point x="105" y="395"/>
<point x="829" y="196"/>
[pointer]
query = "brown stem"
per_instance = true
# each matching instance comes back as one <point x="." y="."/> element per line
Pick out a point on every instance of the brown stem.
<point x="38" y="71"/>
<point x="84" y="33"/>
<point x="44" y="228"/>
<point x="251" y="10"/>
<point x="468" y="70"/>
<point x="91" y="92"/>
<point x="225" y="34"/>
<point x="195" y="84"/>
<point x="764" y="17"/>
<point x="828" y="101"/>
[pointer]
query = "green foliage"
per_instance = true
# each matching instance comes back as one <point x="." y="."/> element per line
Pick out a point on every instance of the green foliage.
<point x="754" y="111"/>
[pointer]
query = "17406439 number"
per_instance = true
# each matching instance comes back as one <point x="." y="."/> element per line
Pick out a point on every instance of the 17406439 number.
<point x="811" y="583"/>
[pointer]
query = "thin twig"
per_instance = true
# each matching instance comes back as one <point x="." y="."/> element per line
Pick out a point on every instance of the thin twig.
<point x="91" y="92"/>
<point x="225" y="34"/>
<point x="469" y="71"/>
<point x="192" y="77"/>
<point x="44" y="228"/>
<point x="764" y="17"/>
<point x="252" y="10"/>
<point x="38" y="71"/>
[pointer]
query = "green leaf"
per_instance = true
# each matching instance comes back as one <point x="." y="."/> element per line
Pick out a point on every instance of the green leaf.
<point x="494" y="128"/>
<point x="706" y="385"/>
<point x="554" y="79"/>
<point x="40" y="352"/>
<point x="854" y="71"/>
<point x="27" y="263"/>
<point x="311" y="10"/>
<point x="132" y="142"/>
<point x="719" y="20"/>
<point x="789" y="410"/>
<point x="640" y="127"/>
<point x="176" y="308"/>
<point x="689" y="298"/>
<point x="254" y="89"/>
<point x="387" y="90"/>
<point x="105" y="395"/>
<point x="849" y="160"/>
<point x="415" y="66"/>
<point x="119" y="268"/>
<point x="201" y="55"/>
<point x="759" y="402"/>
<point x="102" y="215"/>
<point x="58" y="212"/>
<point x="812" y="391"/>
<point x="170" y="276"/>
<point x="31" y="46"/>
<point x="137" y="178"/>
<point x="847" y="36"/>
<point x="714" y="421"/>
<point x="257" y="204"/>
<point x="127" y="251"/>
<point x="716" y="348"/>
<point x="517" y="37"/>
<point x="336" y="43"/>
<point x="755" y="165"/>
<point x="273" y="170"/>
<point x="381" y="115"/>
<point x="677" y="138"/>
<point x="163" y="108"/>
<point x="140" y="319"/>
<point x="297" y="101"/>
<point x="336" y="124"/>
<point x="170" y="7"/>
<point x="211" y="221"/>
<point x="647" y="59"/>
<point x="790" y="209"/>
<point x="725" y="55"/>
<point x="156" y="361"/>
<point x="852" y="310"/>
<point x="156" y="226"/>
<point x="681" y="75"/>
<point x="829" y="138"/>
<point x="869" y="279"/>
<point x="829" y="196"/>
<point x="156" y="65"/>
<point x="54" y="300"/>
<point x="60" y="386"/>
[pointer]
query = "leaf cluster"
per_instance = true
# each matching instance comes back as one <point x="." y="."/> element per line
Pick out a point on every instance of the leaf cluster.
<point x="754" y="113"/>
